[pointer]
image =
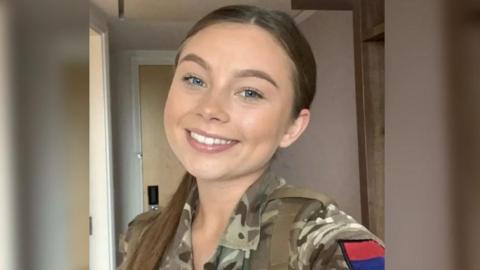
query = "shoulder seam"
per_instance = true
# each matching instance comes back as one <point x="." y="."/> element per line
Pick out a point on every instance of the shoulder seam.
<point x="298" y="192"/>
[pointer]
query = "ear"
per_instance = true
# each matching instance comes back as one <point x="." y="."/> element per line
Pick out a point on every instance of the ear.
<point x="296" y="128"/>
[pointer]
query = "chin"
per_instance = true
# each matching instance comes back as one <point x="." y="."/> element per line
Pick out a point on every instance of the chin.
<point x="206" y="174"/>
<point x="210" y="171"/>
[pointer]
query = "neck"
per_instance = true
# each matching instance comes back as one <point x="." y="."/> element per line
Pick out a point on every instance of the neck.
<point x="217" y="200"/>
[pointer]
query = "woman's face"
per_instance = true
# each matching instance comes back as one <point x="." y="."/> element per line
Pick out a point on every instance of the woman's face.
<point x="230" y="101"/>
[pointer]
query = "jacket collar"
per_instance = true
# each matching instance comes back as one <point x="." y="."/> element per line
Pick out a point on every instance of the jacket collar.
<point x="243" y="229"/>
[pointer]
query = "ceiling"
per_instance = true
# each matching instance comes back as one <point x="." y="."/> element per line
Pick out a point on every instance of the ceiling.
<point x="162" y="24"/>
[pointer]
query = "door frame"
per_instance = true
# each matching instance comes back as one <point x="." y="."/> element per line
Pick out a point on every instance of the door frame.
<point x="137" y="59"/>
<point x="97" y="23"/>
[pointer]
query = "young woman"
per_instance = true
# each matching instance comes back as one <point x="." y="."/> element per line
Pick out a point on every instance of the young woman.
<point x="244" y="81"/>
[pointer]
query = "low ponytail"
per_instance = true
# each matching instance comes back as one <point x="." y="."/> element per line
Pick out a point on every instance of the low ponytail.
<point x="151" y="247"/>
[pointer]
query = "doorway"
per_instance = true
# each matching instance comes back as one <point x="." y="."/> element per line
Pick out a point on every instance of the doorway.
<point x="160" y="166"/>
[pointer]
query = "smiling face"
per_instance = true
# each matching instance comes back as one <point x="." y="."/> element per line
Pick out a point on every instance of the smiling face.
<point x="230" y="101"/>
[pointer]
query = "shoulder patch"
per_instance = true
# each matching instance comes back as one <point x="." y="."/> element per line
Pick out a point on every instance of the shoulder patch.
<point x="363" y="254"/>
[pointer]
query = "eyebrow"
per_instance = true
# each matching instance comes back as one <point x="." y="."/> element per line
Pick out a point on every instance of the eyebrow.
<point x="255" y="73"/>
<point x="197" y="59"/>
<point x="238" y="74"/>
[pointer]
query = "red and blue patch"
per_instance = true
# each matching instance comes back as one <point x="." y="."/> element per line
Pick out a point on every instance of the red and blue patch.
<point x="363" y="254"/>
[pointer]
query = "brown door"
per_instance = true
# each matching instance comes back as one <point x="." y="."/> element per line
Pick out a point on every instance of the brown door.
<point x="160" y="166"/>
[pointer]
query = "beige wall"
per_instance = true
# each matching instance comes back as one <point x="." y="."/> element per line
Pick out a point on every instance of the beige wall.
<point x="326" y="157"/>
<point x="48" y="132"/>
<point x="77" y="127"/>
<point x="418" y="192"/>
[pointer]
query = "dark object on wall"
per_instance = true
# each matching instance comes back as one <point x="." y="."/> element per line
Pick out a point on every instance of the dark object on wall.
<point x="153" y="197"/>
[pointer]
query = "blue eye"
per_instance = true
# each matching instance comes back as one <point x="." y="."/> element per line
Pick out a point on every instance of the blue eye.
<point x="193" y="81"/>
<point x="251" y="94"/>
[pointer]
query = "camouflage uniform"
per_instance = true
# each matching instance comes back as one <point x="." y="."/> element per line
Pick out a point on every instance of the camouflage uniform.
<point x="315" y="236"/>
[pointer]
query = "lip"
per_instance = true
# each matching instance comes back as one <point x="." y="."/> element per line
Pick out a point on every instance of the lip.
<point x="209" y="149"/>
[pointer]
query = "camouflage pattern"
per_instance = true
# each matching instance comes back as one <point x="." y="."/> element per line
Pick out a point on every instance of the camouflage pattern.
<point x="246" y="242"/>
<point x="134" y="233"/>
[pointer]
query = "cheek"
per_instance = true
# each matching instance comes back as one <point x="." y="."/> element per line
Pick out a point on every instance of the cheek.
<point x="266" y="127"/>
<point x="167" y="112"/>
<point x="172" y="111"/>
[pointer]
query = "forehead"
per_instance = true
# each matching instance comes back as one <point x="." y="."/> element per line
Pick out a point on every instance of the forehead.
<point x="239" y="45"/>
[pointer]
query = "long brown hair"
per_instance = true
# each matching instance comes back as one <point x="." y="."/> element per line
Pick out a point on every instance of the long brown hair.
<point x="147" y="255"/>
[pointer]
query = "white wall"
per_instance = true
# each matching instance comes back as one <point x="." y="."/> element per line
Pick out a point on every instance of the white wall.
<point x="326" y="157"/>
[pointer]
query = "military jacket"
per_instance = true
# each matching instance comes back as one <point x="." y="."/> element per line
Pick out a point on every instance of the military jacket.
<point x="321" y="236"/>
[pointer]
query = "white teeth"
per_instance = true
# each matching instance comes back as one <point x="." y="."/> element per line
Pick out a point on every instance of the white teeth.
<point x="208" y="140"/>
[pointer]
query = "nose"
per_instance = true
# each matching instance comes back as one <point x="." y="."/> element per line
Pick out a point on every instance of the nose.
<point x="212" y="108"/>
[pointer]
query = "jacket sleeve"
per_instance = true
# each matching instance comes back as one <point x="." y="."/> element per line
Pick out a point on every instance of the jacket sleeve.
<point x="357" y="254"/>
<point x="330" y="239"/>
<point x="122" y="249"/>
<point x="133" y="234"/>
